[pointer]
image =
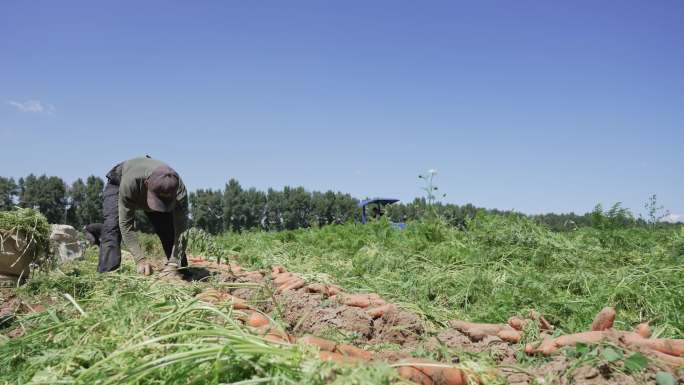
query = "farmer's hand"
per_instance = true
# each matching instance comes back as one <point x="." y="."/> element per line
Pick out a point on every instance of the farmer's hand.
<point x="144" y="267"/>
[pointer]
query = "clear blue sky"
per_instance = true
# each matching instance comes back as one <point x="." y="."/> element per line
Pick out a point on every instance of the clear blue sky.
<point x="529" y="105"/>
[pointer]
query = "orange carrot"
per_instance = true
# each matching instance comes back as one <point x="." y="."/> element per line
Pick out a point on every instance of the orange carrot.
<point x="257" y="319"/>
<point x="643" y="329"/>
<point x="210" y="295"/>
<point x="322" y="344"/>
<point x="282" y="278"/>
<point x="238" y="303"/>
<point x="517" y="323"/>
<point x="337" y="357"/>
<point x="489" y="329"/>
<point x="477" y="331"/>
<point x="604" y="319"/>
<point x="550" y="345"/>
<point x="255" y="275"/>
<point x="334" y="290"/>
<point x="668" y="359"/>
<point x="379" y="311"/>
<point x="361" y="300"/>
<point x="665" y="345"/>
<point x="543" y="323"/>
<point x="512" y="336"/>
<point x="414" y="375"/>
<point x="317" y="288"/>
<point x="275" y="270"/>
<point x="437" y="373"/>
<point x="353" y="351"/>
<point x="291" y="285"/>
<point x="278" y="336"/>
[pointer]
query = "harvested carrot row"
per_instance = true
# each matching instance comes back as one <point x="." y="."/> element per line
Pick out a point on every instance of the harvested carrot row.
<point x="604" y="319"/>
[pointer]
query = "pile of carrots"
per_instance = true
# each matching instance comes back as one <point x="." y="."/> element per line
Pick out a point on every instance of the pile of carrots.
<point x="511" y="332"/>
<point x="670" y="351"/>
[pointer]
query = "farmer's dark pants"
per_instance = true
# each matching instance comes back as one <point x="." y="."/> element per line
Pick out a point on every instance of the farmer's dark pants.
<point x="110" y="240"/>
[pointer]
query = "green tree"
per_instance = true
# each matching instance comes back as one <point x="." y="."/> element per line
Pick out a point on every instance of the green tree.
<point x="8" y="193"/>
<point x="655" y="212"/>
<point x="232" y="202"/>
<point x="253" y="208"/>
<point x="46" y="194"/>
<point x="90" y="210"/>
<point x="76" y="197"/>
<point x="274" y="210"/>
<point x="206" y="209"/>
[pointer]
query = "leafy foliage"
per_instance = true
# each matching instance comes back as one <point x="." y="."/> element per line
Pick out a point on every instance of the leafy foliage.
<point x="501" y="266"/>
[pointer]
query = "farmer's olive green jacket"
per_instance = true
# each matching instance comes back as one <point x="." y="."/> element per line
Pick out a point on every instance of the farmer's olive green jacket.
<point x="133" y="196"/>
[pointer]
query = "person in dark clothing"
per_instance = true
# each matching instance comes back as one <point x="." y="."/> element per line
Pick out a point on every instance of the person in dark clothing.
<point x="92" y="232"/>
<point x="154" y="187"/>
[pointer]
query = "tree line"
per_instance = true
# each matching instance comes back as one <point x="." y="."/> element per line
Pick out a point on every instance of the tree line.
<point x="235" y="208"/>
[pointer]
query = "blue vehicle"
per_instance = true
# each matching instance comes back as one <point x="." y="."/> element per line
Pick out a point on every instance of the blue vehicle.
<point x="376" y="206"/>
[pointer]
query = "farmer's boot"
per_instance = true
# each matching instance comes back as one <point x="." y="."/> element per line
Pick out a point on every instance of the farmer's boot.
<point x="170" y="271"/>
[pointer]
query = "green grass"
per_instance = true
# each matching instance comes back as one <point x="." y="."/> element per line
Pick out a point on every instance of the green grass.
<point x="501" y="266"/>
<point x="121" y="328"/>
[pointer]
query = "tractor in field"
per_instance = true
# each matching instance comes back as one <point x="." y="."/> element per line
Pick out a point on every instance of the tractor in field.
<point x="373" y="209"/>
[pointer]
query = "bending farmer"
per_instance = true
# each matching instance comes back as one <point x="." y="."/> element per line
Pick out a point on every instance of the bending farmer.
<point x="154" y="187"/>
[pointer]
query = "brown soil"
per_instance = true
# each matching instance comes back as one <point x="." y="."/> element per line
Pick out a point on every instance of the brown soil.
<point x="12" y="305"/>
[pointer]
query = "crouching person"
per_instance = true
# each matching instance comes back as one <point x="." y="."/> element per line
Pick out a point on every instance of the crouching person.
<point x="154" y="187"/>
<point x="92" y="232"/>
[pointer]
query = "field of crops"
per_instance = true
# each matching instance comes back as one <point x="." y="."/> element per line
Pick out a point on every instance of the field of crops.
<point x="386" y="300"/>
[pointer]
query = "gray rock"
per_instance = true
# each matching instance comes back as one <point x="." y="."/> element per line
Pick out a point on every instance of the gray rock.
<point x="65" y="244"/>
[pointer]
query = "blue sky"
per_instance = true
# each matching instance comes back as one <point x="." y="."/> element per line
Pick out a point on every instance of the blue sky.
<point x="530" y="105"/>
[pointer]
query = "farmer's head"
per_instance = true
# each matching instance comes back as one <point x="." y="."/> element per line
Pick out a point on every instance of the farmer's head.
<point x="162" y="187"/>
